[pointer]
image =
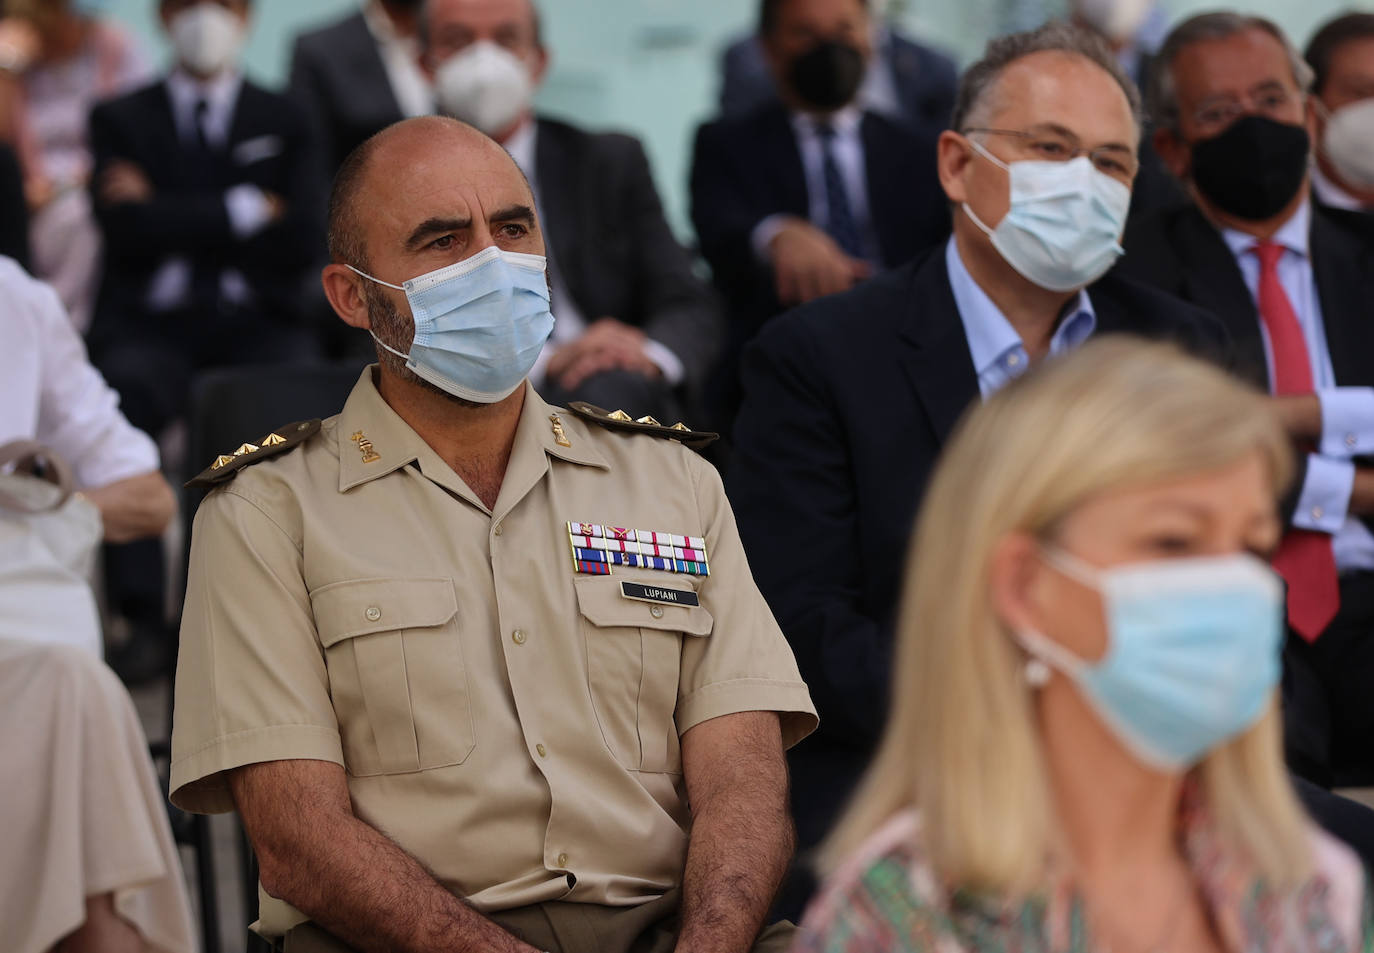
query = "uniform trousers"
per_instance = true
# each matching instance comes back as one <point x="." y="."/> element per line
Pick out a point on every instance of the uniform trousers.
<point x="574" y="928"/>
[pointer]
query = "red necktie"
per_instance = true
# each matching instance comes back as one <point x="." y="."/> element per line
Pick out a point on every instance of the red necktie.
<point x="1305" y="559"/>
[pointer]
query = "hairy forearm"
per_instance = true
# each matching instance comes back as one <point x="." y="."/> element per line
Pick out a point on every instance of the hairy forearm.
<point x="742" y="839"/>
<point x="135" y="508"/>
<point x="350" y="878"/>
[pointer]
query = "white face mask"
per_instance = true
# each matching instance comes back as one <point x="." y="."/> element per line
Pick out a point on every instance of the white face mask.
<point x="1063" y="223"/>
<point x="484" y="85"/>
<point x="207" y="38"/>
<point x="1117" y="20"/>
<point x="1349" y="143"/>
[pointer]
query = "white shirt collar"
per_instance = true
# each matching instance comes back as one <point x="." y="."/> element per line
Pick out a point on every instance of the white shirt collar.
<point x="381" y="27"/>
<point x="521" y="146"/>
<point x="845" y="122"/>
<point x="1294" y="234"/>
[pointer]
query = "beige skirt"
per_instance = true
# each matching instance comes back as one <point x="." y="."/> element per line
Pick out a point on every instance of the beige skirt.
<point x="81" y="810"/>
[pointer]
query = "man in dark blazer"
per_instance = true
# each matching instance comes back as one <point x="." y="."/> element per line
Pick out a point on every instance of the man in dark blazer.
<point x="1293" y="284"/>
<point x="359" y="75"/>
<point x="850" y="399"/>
<point x="906" y="81"/>
<point x="808" y="196"/>
<point x="635" y="328"/>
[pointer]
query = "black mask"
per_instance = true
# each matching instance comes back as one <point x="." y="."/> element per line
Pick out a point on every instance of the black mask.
<point x="1252" y="169"/>
<point x="827" y="76"/>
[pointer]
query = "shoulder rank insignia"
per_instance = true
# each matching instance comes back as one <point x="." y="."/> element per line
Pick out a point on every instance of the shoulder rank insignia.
<point x="227" y="465"/>
<point x="619" y="420"/>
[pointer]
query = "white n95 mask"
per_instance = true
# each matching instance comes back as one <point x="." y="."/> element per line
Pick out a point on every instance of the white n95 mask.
<point x="484" y="85"/>
<point x="206" y="38"/>
<point x="1062" y="227"/>
<point x="479" y="323"/>
<point x="1349" y="143"/>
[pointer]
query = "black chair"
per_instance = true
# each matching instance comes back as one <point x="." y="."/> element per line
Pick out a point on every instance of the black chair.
<point x="230" y="407"/>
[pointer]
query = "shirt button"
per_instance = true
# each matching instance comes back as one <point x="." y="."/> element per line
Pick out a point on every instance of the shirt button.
<point x="373" y="613"/>
<point x="518" y="636"/>
<point x="1318" y="512"/>
<point x="543" y="752"/>
<point x="656" y="612"/>
<point x="1014" y="360"/>
<point x="497" y="530"/>
<point x="562" y="860"/>
<point x="1350" y="440"/>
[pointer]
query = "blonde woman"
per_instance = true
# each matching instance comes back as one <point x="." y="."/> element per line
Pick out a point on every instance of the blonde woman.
<point x="1083" y="750"/>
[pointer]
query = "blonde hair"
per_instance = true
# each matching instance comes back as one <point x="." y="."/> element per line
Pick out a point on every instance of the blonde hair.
<point x="961" y="744"/>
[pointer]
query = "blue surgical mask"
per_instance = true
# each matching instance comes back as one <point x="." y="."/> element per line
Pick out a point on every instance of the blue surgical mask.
<point x="1063" y="225"/>
<point x="1192" y="651"/>
<point x="479" y="323"/>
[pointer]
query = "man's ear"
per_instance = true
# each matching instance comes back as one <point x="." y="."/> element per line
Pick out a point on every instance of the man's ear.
<point x="1014" y="572"/>
<point x="1176" y="154"/>
<point x="343" y="288"/>
<point x="952" y="157"/>
<point x="540" y="66"/>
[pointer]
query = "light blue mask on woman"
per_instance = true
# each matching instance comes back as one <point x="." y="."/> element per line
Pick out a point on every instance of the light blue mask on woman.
<point x="1192" y="651"/>
<point x="479" y="323"/>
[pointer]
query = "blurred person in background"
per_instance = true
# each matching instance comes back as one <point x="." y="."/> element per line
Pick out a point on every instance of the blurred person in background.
<point x="814" y="193"/>
<point x="359" y="75"/>
<point x="1292" y="284"/>
<point x="1039" y="167"/>
<point x="58" y="58"/>
<point x="207" y="190"/>
<point x="1083" y="751"/>
<point x="905" y="80"/>
<point x="636" y="328"/>
<point x="1341" y="54"/>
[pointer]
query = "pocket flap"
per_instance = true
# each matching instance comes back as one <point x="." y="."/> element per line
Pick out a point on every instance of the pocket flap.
<point x="344" y="610"/>
<point x="603" y="604"/>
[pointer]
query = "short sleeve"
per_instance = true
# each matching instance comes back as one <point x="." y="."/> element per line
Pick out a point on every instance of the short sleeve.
<point x="251" y="679"/>
<point x="745" y="663"/>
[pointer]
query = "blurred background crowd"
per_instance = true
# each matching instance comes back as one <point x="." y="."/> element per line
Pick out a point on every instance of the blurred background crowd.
<point x="699" y="169"/>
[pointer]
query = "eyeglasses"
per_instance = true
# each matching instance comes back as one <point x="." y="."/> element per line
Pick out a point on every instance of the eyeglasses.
<point x="1054" y="146"/>
<point x="1216" y="114"/>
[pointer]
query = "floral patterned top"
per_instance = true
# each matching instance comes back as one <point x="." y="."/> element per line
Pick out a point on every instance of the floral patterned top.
<point x="887" y="899"/>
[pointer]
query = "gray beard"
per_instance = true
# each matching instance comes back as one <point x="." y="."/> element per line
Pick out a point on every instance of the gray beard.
<point x="394" y="328"/>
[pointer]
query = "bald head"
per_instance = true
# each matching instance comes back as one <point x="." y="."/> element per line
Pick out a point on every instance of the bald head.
<point x="401" y="163"/>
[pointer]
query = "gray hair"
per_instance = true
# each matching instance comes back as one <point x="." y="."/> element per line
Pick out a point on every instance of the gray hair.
<point x="980" y="80"/>
<point x="422" y="26"/>
<point x="1163" y="92"/>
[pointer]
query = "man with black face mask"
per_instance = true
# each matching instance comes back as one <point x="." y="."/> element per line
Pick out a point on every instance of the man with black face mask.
<point x="806" y="198"/>
<point x="1293" y="285"/>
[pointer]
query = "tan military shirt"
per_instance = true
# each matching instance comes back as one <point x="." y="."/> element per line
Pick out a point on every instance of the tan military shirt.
<point x="511" y="722"/>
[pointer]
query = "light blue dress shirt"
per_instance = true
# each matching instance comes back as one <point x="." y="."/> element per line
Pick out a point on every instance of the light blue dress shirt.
<point x="999" y="355"/>
<point x="1347" y="412"/>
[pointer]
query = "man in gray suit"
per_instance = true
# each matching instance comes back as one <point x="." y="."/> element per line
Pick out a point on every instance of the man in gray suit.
<point x="359" y="75"/>
<point x="636" y="329"/>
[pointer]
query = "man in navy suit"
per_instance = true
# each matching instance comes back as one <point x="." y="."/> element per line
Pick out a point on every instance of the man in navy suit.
<point x="808" y="196"/>
<point x="849" y="399"/>
<point x="205" y="187"/>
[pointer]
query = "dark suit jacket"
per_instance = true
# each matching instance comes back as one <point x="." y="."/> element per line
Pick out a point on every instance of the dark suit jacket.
<point x="613" y="247"/>
<point x="848" y="403"/>
<point x="338" y="77"/>
<point x="746" y="169"/>
<point x="925" y="79"/>
<point x="269" y="146"/>
<point x="14" y="209"/>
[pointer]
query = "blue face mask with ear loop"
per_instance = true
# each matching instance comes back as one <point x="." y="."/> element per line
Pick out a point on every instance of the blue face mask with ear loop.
<point x="1193" y="651"/>
<point x="480" y="323"/>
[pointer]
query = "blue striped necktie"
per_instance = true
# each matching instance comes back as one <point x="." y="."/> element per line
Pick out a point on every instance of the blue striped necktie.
<point x="840" y="214"/>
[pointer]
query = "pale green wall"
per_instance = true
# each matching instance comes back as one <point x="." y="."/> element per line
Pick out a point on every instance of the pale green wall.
<point x="649" y="66"/>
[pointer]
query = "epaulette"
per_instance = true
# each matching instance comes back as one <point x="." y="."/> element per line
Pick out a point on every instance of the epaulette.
<point x="227" y="465"/>
<point x="619" y="420"/>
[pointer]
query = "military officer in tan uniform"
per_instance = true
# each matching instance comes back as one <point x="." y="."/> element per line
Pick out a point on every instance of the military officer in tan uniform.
<point x="480" y="673"/>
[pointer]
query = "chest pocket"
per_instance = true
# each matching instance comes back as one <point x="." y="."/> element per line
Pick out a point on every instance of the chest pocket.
<point x="634" y="653"/>
<point x="396" y="673"/>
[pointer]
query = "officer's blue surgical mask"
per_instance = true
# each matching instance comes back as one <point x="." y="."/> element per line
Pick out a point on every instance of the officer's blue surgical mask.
<point x="479" y="323"/>
<point x="1063" y="224"/>
<point x="1192" y="651"/>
